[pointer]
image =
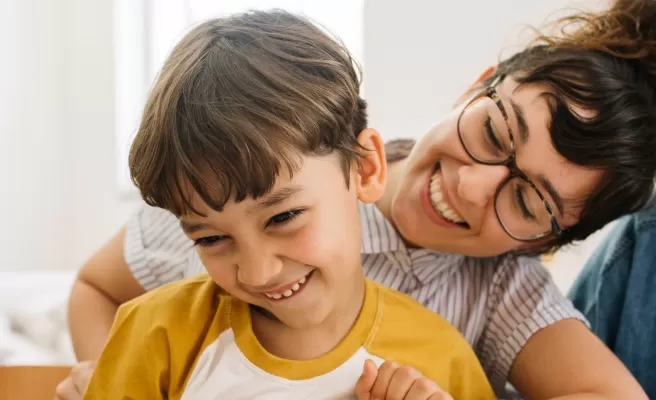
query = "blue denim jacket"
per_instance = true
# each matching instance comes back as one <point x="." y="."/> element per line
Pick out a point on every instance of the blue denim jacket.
<point x="616" y="291"/>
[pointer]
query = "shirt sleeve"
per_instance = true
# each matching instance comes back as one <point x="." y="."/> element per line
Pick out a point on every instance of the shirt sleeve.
<point x="522" y="300"/>
<point x="156" y="249"/>
<point x="134" y="363"/>
<point x="467" y="379"/>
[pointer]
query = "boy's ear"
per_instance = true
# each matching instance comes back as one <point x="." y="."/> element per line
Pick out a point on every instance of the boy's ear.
<point x="372" y="172"/>
<point x="476" y="86"/>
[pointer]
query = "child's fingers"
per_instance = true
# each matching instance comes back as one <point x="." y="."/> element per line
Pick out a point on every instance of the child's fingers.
<point x="366" y="382"/>
<point x="425" y="389"/>
<point x="401" y="382"/>
<point x="383" y="379"/>
<point x="81" y="375"/>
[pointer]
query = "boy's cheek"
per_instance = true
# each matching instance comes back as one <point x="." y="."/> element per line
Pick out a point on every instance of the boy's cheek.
<point x="319" y="244"/>
<point x="224" y="275"/>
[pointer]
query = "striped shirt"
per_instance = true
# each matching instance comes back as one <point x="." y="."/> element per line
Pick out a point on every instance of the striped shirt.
<point x="497" y="303"/>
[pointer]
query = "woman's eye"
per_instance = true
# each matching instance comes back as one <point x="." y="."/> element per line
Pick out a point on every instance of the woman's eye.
<point x="209" y="241"/>
<point x="521" y="202"/>
<point x="284" y="217"/>
<point x="492" y="138"/>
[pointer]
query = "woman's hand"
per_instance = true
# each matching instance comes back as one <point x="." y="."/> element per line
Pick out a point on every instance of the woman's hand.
<point x="75" y="384"/>
<point x="394" y="382"/>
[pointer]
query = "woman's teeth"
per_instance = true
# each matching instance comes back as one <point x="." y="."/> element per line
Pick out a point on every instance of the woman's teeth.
<point x="288" y="292"/>
<point x="438" y="202"/>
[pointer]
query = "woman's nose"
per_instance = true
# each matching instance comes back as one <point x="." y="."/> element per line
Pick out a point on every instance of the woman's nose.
<point x="478" y="183"/>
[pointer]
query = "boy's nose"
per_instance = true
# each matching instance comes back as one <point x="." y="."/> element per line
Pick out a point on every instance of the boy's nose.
<point x="257" y="270"/>
<point x="478" y="183"/>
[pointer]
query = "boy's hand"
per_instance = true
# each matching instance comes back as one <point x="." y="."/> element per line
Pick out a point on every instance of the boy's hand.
<point x="393" y="382"/>
<point x="75" y="384"/>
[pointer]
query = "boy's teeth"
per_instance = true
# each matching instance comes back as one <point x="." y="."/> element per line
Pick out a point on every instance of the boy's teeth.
<point x="288" y="292"/>
<point x="438" y="203"/>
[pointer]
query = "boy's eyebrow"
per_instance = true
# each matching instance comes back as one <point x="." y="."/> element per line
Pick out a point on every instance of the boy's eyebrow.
<point x="278" y="196"/>
<point x="190" y="227"/>
<point x="267" y="201"/>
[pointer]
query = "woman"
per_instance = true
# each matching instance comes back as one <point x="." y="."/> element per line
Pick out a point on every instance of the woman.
<point x="543" y="150"/>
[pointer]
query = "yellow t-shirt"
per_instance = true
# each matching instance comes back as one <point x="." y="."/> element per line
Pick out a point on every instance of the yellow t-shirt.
<point x="191" y="340"/>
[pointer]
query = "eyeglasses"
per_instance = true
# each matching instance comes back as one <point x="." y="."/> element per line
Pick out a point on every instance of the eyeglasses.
<point x="486" y="136"/>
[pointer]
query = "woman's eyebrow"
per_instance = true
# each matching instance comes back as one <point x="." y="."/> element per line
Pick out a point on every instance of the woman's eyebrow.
<point x="549" y="187"/>
<point x="521" y="121"/>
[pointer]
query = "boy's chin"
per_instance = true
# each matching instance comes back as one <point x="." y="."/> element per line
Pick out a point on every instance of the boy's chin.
<point x="297" y="319"/>
<point x="263" y="312"/>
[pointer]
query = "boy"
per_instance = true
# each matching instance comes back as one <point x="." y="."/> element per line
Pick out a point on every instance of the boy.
<point x="254" y="137"/>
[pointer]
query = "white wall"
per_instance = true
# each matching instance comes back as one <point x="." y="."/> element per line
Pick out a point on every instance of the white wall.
<point x="34" y="150"/>
<point x="59" y="199"/>
<point x="96" y="204"/>
<point x="420" y="55"/>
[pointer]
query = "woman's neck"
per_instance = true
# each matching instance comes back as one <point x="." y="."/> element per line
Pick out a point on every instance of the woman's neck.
<point x="394" y="179"/>
<point x="311" y="342"/>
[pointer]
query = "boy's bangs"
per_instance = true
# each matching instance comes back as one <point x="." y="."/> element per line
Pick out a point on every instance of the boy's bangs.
<point x="239" y="101"/>
<point x="218" y="170"/>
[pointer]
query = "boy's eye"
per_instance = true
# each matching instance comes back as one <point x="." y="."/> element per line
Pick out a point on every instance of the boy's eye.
<point x="284" y="217"/>
<point x="209" y="241"/>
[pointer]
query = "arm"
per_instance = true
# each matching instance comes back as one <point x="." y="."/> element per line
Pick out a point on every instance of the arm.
<point x="467" y="379"/>
<point x="150" y="251"/>
<point x="536" y="339"/>
<point x="103" y="283"/>
<point x="566" y="361"/>
<point x="134" y="362"/>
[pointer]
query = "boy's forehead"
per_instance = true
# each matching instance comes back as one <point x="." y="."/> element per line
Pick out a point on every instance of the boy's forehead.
<point x="283" y="189"/>
<point x="309" y="177"/>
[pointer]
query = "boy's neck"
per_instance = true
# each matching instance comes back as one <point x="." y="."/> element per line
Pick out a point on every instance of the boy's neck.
<point x="308" y="343"/>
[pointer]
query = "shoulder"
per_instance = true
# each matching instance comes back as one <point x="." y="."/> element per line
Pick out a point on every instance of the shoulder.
<point x="643" y="220"/>
<point x="405" y="324"/>
<point x="414" y="336"/>
<point x="153" y="226"/>
<point x="522" y="291"/>
<point x="148" y="216"/>
<point x="169" y="327"/>
<point x="512" y="270"/>
<point x="628" y="233"/>
<point x="156" y="249"/>
<point x="466" y="276"/>
<point x="397" y="306"/>
<point x="167" y="304"/>
<point x="522" y="300"/>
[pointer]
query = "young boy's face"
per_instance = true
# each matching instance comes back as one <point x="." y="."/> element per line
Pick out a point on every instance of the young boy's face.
<point x="296" y="250"/>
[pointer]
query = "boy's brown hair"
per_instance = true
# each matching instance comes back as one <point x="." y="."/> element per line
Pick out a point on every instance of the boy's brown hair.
<point x="238" y="100"/>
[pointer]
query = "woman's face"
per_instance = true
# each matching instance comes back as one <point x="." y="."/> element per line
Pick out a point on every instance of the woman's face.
<point x="439" y="182"/>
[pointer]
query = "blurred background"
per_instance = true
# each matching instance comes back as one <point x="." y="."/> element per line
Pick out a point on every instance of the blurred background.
<point x="74" y="75"/>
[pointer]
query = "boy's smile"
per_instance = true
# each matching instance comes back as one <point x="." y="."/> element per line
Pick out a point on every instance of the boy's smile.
<point x="283" y="292"/>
